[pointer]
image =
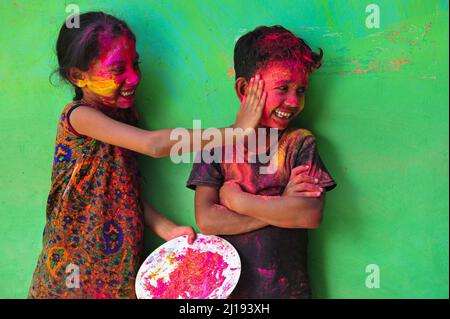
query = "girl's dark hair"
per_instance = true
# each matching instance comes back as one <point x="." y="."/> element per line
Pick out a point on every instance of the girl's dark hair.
<point x="257" y="48"/>
<point x="78" y="46"/>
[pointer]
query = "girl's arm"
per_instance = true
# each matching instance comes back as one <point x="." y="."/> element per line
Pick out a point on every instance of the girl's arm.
<point x="280" y="211"/>
<point x="164" y="227"/>
<point x="215" y="219"/>
<point x="93" y="123"/>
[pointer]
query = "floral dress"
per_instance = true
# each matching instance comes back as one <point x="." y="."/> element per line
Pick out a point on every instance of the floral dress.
<point x="93" y="237"/>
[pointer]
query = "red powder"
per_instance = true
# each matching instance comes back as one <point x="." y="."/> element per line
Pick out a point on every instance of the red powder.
<point x="197" y="275"/>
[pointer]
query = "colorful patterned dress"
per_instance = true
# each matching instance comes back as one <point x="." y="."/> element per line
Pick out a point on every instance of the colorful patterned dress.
<point x="93" y="237"/>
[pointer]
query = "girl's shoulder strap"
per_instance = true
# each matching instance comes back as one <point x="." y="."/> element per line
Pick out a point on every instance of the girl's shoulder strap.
<point x="72" y="106"/>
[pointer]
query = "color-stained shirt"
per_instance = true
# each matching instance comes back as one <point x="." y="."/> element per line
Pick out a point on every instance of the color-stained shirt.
<point x="274" y="260"/>
<point x="93" y="236"/>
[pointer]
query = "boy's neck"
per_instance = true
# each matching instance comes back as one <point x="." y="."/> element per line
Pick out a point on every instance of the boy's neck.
<point x="267" y="145"/>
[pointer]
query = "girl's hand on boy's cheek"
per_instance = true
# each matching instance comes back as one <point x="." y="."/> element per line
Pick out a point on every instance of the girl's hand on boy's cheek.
<point x="302" y="185"/>
<point x="252" y="105"/>
<point x="227" y="193"/>
<point x="181" y="231"/>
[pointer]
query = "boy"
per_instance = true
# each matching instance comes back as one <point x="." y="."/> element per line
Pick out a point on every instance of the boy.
<point x="265" y="216"/>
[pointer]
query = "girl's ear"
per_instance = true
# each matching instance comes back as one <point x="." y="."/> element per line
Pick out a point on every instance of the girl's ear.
<point x="241" y="86"/>
<point x="76" y="77"/>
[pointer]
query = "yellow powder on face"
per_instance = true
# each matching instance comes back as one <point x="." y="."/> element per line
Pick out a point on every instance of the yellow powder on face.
<point x="102" y="86"/>
<point x="301" y="102"/>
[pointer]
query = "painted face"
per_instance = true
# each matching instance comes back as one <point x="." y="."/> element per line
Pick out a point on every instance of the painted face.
<point x="113" y="78"/>
<point x="285" y="87"/>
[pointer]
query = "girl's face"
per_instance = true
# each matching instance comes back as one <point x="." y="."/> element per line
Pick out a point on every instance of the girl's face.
<point x="113" y="78"/>
<point x="285" y="87"/>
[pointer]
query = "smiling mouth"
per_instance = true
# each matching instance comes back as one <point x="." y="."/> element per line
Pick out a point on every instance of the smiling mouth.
<point x="283" y="114"/>
<point x="126" y="93"/>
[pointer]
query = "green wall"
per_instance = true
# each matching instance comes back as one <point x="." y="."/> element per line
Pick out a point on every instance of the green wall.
<point x="378" y="106"/>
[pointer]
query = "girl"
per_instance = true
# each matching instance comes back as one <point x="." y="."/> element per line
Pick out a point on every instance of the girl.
<point x="93" y="237"/>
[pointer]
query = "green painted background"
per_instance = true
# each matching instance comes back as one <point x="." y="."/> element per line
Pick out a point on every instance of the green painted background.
<point x="378" y="106"/>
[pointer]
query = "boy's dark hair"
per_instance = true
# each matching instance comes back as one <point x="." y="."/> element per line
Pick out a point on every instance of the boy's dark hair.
<point x="257" y="48"/>
<point x="77" y="47"/>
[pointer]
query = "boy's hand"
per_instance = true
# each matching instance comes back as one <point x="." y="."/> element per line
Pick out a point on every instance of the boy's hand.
<point x="252" y="105"/>
<point x="302" y="184"/>
<point x="227" y="191"/>
<point x="181" y="231"/>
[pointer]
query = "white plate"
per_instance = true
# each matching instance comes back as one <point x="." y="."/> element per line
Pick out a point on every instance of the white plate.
<point x="207" y="269"/>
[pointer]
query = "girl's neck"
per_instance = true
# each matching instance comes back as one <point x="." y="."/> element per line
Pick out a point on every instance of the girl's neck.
<point x="93" y="103"/>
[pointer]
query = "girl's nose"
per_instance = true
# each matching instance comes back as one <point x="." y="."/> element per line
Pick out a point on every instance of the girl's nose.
<point x="133" y="78"/>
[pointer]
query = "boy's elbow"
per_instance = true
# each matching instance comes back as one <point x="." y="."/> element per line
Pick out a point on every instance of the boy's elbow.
<point x="310" y="218"/>
<point x="315" y="217"/>
<point x="203" y="225"/>
<point x="205" y="229"/>
<point x="315" y="212"/>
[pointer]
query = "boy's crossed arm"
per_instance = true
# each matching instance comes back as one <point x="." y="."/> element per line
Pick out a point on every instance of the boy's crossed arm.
<point x="215" y="219"/>
<point x="280" y="211"/>
<point x="236" y="211"/>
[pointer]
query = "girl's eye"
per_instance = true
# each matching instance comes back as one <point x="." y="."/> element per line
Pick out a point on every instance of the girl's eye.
<point x="300" y="91"/>
<point x="282" y="88"/>
<point x="118" y="70"/>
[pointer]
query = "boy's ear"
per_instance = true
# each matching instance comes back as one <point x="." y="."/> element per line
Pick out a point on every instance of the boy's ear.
<point x="241" y="86"/>
<point x="76" y="77"/>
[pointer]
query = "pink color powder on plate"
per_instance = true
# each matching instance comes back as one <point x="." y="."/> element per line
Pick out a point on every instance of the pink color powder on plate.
<point x="197" y="275"/>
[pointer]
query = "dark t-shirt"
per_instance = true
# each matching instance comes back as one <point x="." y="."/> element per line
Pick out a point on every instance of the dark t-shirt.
<point x="274" y="263"/>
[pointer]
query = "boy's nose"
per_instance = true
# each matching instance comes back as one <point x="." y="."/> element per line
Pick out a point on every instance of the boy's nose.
<point x="133" y="78"/>
<point x="292" y="101"/>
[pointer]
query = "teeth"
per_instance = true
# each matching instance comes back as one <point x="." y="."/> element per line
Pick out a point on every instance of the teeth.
<point x="127" y="93"/>
<point x="283" y="115"/>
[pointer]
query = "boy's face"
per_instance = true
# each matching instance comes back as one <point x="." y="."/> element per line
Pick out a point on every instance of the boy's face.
<point x="113" y="78"/>
<point x="285" y="87"/>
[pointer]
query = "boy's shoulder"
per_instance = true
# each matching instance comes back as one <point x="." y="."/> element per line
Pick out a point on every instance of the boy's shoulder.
<point x="297" y="135"/>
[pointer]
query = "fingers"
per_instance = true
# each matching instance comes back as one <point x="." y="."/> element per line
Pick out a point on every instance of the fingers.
<point x="299" y="169"/>
<point x="258" y="93"/>
<point x="252" y="106"/>
<point x="191" y="236"/>
<point x="308" y="194"/>
<point x="304" y="187"/>
<point x="304" y="190"/>
<point x="262" y="102"/>
<point x="304" y="179"/>
<point x="182" y="231"/>
<point x="250" y="93"/>
<point x="255" y="93"/>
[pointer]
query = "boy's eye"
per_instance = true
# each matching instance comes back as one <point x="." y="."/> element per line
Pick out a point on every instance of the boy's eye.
<point x="282" y="88"/>
<point x="118" y="69"/>
<point x="300" y="91"/>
